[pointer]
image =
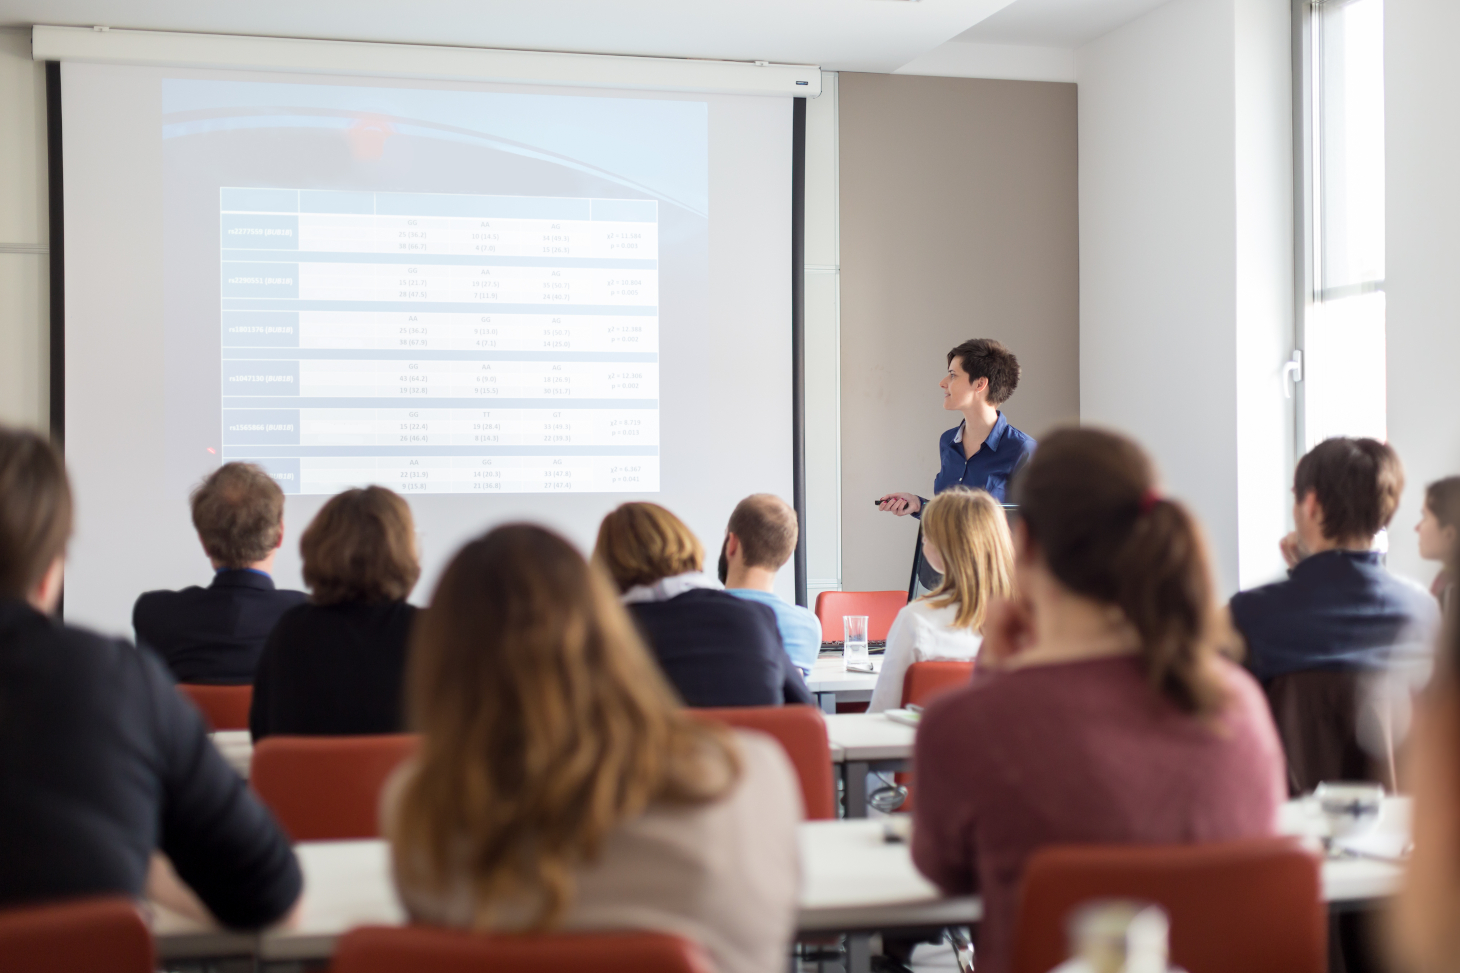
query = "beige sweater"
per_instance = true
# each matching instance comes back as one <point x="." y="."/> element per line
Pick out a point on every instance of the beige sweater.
<point x="725" y="875"/>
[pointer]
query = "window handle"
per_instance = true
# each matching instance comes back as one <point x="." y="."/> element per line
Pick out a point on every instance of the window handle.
<point x="1294" y="367"/>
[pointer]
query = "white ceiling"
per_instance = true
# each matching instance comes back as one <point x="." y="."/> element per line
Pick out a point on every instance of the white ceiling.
<point x="856" y="35"/>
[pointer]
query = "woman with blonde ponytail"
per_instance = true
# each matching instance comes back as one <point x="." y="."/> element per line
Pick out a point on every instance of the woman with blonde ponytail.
<point x="1102" y="710"/>
<point x="966" y="540"/>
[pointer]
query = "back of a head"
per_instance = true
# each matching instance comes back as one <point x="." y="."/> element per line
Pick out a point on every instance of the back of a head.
<point x="767" y="528"/>
<point x="641" y="543"/>
<point x="1357" y="483"/>
<point x="971" y="533"/>
<point x="987" y="358"/>
<point x="35" y="510"/>
<point x="238" y="512"/>
<point x="361" y="546"/>
<point x="1088" y="501"/>
<point x="545" y="723"/>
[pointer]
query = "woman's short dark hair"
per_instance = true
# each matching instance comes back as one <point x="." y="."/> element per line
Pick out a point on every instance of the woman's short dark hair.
<point x="1088" y="501"/>
<point x="987" y="358"/>
<point x="1357" y="482"/>
<point x="35" y="510"/>
<point x="361" y="546"/>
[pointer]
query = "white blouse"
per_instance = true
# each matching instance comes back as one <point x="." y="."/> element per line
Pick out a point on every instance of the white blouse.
<point x="920" y="633"/>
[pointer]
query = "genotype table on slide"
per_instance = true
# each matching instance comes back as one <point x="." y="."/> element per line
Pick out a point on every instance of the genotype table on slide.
<point x="441" y="343"/>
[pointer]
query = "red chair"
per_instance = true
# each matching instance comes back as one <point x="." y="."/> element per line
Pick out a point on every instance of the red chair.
<point x="802" y="733"/>
<point x="924" y="680"/>
<point x="324" y="788"/>
<point x="880" y="607"/>
<point x="102" y="935"/>
<point x="1255" y="906"/>
<point x="224" y="707"/>
<point x="409" y="949"/>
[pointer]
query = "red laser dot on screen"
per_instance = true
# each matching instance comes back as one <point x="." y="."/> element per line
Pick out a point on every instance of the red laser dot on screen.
<point x="212" y="450"/>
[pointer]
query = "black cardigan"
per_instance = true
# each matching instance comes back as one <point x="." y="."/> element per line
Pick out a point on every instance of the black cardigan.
<point x="720" y="650"/>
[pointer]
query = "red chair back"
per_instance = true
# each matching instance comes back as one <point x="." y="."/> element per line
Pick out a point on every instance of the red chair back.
<point x="324" y="788"/>
<point x="924" y="680"/>
<point x="880" y="607"/>
<point x="1255" y="906"/>
<point x="103" y="935"/>
<point x="802" y="733"/>
<point x="408" y="949"/>
<point x="224" y="707"/>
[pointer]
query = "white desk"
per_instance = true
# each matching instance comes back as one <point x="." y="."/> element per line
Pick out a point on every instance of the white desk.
<point x="861" y="743"/>
<point x="829" y="680"/>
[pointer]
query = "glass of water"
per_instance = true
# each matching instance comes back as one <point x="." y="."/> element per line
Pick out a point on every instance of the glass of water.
<point x="854" y="641"/>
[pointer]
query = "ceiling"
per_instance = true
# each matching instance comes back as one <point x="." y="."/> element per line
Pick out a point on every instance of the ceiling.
<point x="856" y="35"/>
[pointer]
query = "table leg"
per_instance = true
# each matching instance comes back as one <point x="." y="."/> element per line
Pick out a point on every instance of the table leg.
<point x="828" y="702"/>
<point x="859" y="952"/>
<point x="854" y="786"/>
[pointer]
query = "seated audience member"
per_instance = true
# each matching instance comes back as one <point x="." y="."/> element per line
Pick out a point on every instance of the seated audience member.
<point x="966" y="540"/>
<point x="1439" y="530"/>
<point x="336" y="666"/>
<point x="102" y="763"/>
<point x="215" y="634"/>
<point x="559" y="785"/>
<point x="716" y="649"/>
<point x="1324" y="641"/>
<point x="1101" y="711"/>
<point x="759" y="540"/>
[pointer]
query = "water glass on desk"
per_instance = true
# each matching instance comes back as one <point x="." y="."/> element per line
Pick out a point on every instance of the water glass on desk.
<point x="854" y="642"/>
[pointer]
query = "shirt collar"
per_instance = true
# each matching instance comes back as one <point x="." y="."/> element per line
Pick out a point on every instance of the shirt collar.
<point x="995" y="434"/>
<point x="265" y="574"/>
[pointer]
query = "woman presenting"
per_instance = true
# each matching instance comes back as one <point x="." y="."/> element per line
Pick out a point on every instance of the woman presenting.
<point x="983" y="451"/>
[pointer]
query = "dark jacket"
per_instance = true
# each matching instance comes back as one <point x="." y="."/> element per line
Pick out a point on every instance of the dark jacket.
<point x="333" y="670"/>
<point x="101" y="762"/>
<point x="720" y="650"/>
<point x="213" y="634"/>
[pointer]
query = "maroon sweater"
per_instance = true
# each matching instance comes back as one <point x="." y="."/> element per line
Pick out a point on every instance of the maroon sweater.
<point x="1080" y="753"/>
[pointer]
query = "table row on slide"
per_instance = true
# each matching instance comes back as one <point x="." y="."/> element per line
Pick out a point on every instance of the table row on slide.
<point x="441" y="427"/>
<point x="552" y="473"/>
<point x="440" y="378"/>
<point x="370" y="281"/>
<point x="394" y="330"/>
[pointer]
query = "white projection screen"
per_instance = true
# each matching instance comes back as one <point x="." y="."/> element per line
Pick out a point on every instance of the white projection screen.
<point x="507" y="302"/>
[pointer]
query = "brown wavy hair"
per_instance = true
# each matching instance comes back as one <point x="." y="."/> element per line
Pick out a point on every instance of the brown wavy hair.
<point x="1088" y="500"/>
<point x="361" y="546"/>
<point x="641" y="543"/>
<point x="238" y="511"/>
<point x="545" y="724"/>
<point x="35" y="510"/>
<point x="970" y="531"/>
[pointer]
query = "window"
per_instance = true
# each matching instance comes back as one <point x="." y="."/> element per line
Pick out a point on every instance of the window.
<point x="1340" y="75"/>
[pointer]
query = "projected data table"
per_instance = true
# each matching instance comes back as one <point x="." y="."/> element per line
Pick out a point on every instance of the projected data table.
<point x="440" y="343"/>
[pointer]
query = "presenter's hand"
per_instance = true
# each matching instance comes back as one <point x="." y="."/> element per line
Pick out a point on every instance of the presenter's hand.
<point x="901" y="504"/>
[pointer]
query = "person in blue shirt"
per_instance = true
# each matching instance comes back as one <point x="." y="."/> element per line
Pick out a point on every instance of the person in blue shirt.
<point x="983" y="452"/>
<point x="759" y="540"/>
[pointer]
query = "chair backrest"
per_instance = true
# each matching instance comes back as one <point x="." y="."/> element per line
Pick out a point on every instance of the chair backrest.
<point x="1255" y="906"/>
<point x="802" y="733"/>
<point x="323" y="788"/>
<point x="101" y="935"/>
<point x="224" y="707"/>
<point x="924" y="680"/>
<point x="880" y="607"/>
<point x="407" y="949"/>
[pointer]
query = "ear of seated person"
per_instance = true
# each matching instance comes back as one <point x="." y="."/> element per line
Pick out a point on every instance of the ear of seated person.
<point x="1324" y="640"/>
<point x="102" y="764"/>
<point x="214" y="634"/>
<point x="716" y="649"/>
<point x="336" y="665"/>
<point x="1101" y="710"/>
<point x="560" y="786"/>
<point x="966" y="540"/>
<point x="759" y="540"/>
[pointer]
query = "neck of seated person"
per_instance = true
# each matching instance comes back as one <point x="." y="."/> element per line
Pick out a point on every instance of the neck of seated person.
<point x="46" y="594"/>
<point x="756" y="578"/>
<point x="266" y="565"/>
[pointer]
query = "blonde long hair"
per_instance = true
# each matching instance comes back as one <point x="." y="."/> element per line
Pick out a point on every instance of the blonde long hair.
<point x="545" y="724"/>
<point x="970" y="531"/>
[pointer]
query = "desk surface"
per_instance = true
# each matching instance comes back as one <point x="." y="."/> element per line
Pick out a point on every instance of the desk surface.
<point x="867" y="737"/>
<point x="829" y="675"/>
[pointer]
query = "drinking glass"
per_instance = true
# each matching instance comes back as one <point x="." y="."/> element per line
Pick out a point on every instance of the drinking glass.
<point x="1349" y="807"/>
<point x="854" y="642"/>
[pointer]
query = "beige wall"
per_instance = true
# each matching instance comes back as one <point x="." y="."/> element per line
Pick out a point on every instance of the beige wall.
<point x="959" y="219"/>
<point x="24" y="273"/>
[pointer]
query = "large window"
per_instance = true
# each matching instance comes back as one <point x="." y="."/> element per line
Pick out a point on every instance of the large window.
<point x="1341" y="185"/>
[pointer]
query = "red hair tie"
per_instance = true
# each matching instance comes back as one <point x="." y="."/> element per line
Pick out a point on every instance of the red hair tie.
<point x="1149" y="499"/>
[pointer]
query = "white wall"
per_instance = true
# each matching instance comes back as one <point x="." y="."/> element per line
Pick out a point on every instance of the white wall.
<point x="24" y="267"/>
<point x="1185" y="259"/>
<point x="1422" y="139"/>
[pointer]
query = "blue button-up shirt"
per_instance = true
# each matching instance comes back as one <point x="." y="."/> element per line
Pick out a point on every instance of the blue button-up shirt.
<point x="1002" y="454"/>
